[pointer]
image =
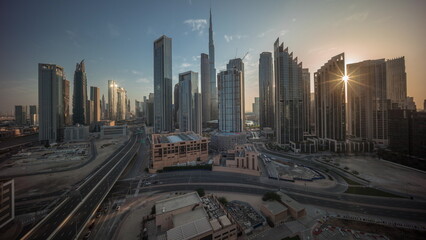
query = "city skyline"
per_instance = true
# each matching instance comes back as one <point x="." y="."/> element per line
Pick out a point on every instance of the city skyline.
<point x="125" y="55"/>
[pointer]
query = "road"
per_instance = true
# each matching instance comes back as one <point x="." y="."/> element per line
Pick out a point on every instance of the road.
<point x="70" y="216"/>
<point x="222" y="181"/>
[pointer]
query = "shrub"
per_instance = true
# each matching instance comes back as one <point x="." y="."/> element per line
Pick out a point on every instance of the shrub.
<point x="201" y="192"/>
<point x="271" y="196"/>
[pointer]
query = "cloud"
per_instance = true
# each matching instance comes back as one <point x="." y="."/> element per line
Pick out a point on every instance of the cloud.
<point x="73" y="37"/>
<point x="197" y="25"/>
<point x="283" y="32"/>
<point x="262" y="34"/>
<point x="196" y="58"/>
<point x="136" y="72"/>
<point x="358" y="17"/>
<point x="229" y="38"/>
<point x="293" y="20"/>
<point x="113" y="30"/>
<point x="185" y="65"/>
<point x="143" y="80"/>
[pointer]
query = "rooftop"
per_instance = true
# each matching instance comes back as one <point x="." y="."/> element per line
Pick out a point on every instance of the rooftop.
<point x="189" y="230"/>
<point x="175" y="137"/>
<point x="187" y="217"/>
<point x="274" y="207"/>
<point x="178" y="202"/>
<point x="289" y="202"/>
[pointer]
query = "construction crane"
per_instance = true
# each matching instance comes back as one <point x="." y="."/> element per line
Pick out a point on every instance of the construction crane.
<point x="244" y="56"/>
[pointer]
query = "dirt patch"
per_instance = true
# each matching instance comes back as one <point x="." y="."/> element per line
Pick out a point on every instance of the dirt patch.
<point x="390" y="232"/>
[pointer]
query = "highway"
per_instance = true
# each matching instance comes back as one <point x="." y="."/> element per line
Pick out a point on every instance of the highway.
<point x="70" y="216"/>
<point x="222" y="181"/>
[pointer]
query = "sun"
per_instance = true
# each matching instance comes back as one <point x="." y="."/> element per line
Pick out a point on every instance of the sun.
<point x="345" y="78"/>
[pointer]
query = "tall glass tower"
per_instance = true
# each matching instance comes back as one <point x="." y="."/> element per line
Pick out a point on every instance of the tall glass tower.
<point x="213" y="88"/>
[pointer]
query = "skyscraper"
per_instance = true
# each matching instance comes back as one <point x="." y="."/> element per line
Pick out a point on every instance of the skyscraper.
<point x="50" y="102"/>
<point x="176" y="106"/>
<point x="330" y="115"/>
<point x="306" y="115"/>
<point x="189" y="108"/>
<point x="396" y="83"/>
<point x="103" y="108"/>
<point x="112" y="100"/>
<point x="80" y="94"/>
<point x="238" y="64"/>
<point x="163" y="84"/>
<point x="231" y="101"/>
<point x="95" y="94"/>
<point x="33" y="115"/>
<point x="266" y="91"/>
<point x="66" y="93"/>
<point x="121" y="103"/>
<point x="205" y="87"/>
<point x="367" y="102"/>
<point x="21" y="115"/>
<point x="255" y="107"/>
<point x="90" y="112"/>
<point x="212" y="69"/>
<point x="289" y="96"/>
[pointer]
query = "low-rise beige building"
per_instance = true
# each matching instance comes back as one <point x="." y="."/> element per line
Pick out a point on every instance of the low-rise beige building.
<point x="242" y="159"/>
<point x="177" y="148"/>
<point x="190" y="217"/>
<point x="275" y="211"/>
<point x="295" y="209"/>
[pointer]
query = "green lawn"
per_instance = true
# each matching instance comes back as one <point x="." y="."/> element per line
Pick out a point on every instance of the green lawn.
<point x="350" y="182"/>
<point x="370" y="192"/>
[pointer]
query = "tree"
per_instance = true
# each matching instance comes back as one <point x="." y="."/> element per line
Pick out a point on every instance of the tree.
<point x="223" y="200"/>
<point x="271" y="196"/>
<point x="201" y="192"/>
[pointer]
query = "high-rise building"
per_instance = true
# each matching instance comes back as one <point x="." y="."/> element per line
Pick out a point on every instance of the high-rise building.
<point x="231" y="101"/>
<point x="255" y="107"/>
<point x="149" y="110"/>
<point x="21" y="115"/>
<point x="206" y="87"/>
<point x="121" y="103"/>
<point x="306" y="116"/>
<point x="238" y="64"/>
<point x="33" y="115"/>
<point x="367" y="102"/>
<point x="288" y="96"/>
<point x="163" y="84"/>
<point x="95" y="94"/>
<point x="112" y="100"/>
<point x="396" y="83"/>
<point x="410" y="104"/>
<point x="330" y="118"/>
<point x="176" y="106"/>
<point x="90" y="112"/>
<point x="50" y="102"/>
<point x="104" y="112"/>
<point x="212" y="69"/>
<point x="266" y="91"/>
<point x="66" y="93"/>
<point x="189" y="103"/>
<point x="80" y="94"/>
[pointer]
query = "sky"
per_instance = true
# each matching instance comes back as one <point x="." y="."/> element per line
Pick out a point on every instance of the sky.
<point x="116" y="39"/>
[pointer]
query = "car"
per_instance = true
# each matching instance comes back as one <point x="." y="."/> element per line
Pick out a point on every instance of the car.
<point x="117" y="208"/>
<point x="87" y="235"/>
<point x="98" y="214"/>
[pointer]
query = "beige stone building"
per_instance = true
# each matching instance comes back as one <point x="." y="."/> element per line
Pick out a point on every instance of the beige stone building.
<point x="275" y="211"/>
<point x="177" y="148"/>
<point x="242" y="159"/>
<point x="190" y="217"/>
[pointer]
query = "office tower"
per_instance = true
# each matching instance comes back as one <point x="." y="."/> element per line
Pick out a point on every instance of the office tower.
<point x="231" y="101"/>
<point x="306" y="115"/>
<point x="330" y="116"/>
<point x="66" y="94"/>
<point x="289" y="96"/>
<point x="149" y="110"/>
<point x="396" y="83"/>
<point x="312" y="114"/>
<point x="112" y="100"/>
<point x="95" y="94"/>
<point x="410" y="104"/>
<point x="176" y="106"/>
<point x="189" y="108"/>
<point x="139" y="109"/>
<point x="121" y="103"/>
<point x="33" y="115"/>
<point x="128" y="108"/>
<point x="103" y="108"/>
<point x="90" y="112"/>
<point x="266" y="91"/>
<point x="21" y="115"/>
<point x="206" y="88"/>
<point x="80" y="94"/>
<point x="212" y="69"/>
<point x="50" y="102"/>
<point x="424" y="105"/>
<point x="367" y="102"/>
<point x="255" y="107"/>
<point x="163" y="84"/>
<point x="238" y="64"/>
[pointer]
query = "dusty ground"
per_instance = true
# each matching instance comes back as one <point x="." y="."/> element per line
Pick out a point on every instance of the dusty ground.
<point x="383" y="174"/>
<point x="390" y="232"/>
<point x="38" y="184"/>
